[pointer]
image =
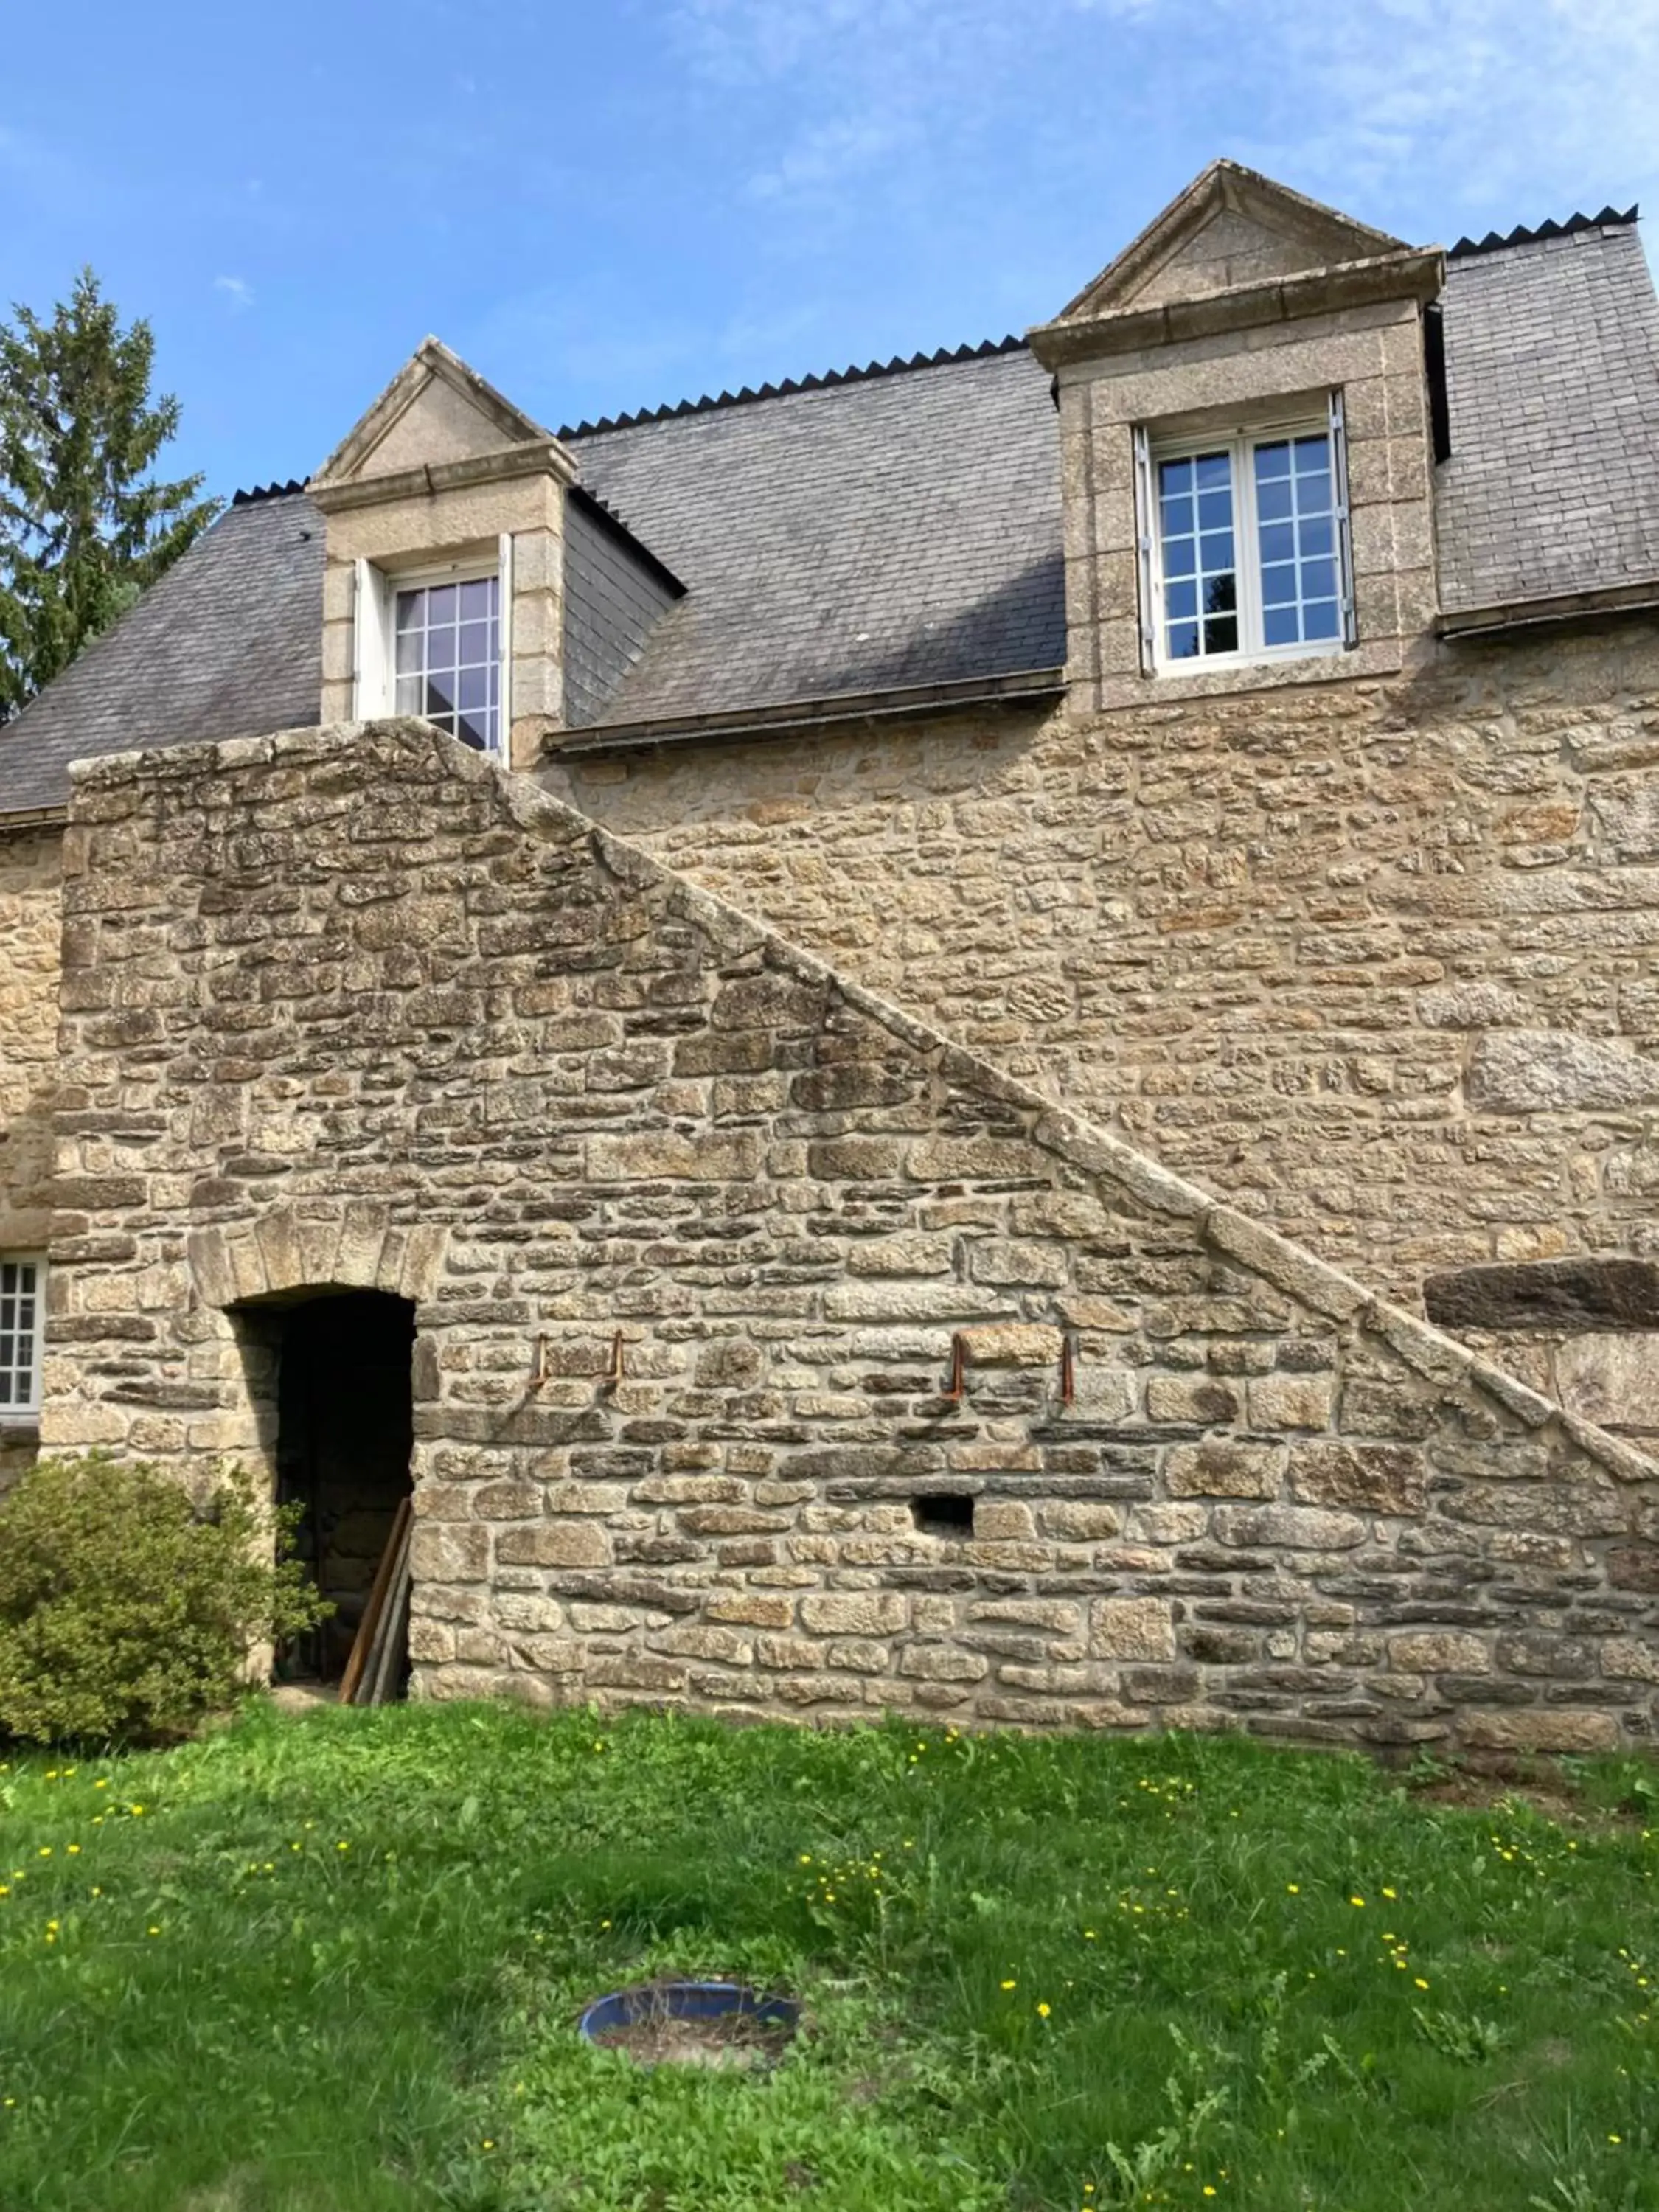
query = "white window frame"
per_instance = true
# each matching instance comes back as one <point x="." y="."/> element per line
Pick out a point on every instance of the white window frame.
<point x="27" y="1413"/>
<point x="374" y="678"/>
<point x="1238" y="438"/>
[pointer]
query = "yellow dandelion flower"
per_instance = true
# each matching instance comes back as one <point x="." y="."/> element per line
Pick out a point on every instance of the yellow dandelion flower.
<point x="1421" y="1983"/>
<point x="1356" y="1900"/>
<point x="1008" y="1985"/>
<point x="1043" y="2011"/>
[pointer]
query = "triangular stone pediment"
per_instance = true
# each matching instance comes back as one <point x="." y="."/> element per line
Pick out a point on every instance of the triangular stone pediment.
<point x="435" y="409"/>
<point x="1231" y="227"/>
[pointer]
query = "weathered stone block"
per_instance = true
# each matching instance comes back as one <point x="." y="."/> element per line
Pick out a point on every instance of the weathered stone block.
<point x="1583" y="1294"/>
<point x="1080" y="1521"/>
<point x="440" y="1552"/>
<point x="1220" y="1467"/>
<point x="1297" y="1528"/>
<point x="862" y="1612"/>
<point x="1432" y="1652"/>
<point x="1530" y="1730"/>
<point x="554" y="1544"/>
<point x="1372" y="1478"/>
<point x="1289" y="1401"/>
<point x="1556" y="1070"/>
<point x="1132" y="1628"/>
<point x="1613" y="1380"/>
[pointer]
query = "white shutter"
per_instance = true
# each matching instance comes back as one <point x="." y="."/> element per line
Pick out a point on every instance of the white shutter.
<point x="1344" y="536"/>
<point x="371" y="644"/>
<point x="504" y="722"/>
<point x="1144" y="514"/>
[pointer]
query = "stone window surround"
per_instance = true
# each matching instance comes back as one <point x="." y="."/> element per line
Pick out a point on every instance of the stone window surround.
<point x="1370" y="351"/>
<point x="467" y="510"/>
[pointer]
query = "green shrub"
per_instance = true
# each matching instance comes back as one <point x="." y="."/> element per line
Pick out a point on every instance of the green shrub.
<point x="127" y="1608"/>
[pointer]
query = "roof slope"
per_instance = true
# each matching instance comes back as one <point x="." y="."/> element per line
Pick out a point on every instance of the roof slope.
<point x="227" y="643"/>
<point x="866" y="537"/>
<point x="1553" y="376"/>
<point x="884" y="532"/>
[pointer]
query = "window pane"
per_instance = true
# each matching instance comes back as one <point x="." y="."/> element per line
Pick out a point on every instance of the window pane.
<point x="1314" y="536"/>
<point x="1220" y="595"/>
<point x="1313" y="454"/>
<point x="478" y="599"/>
<point x="1184" y="641"/>
<point x="440" y="692"/>
<point x="411" y="610"/>
<point x="1279" y="626"/>
<point x="1278" y="587"/>
<point x="1273" y="499"/>
<point x="1279" y="541"/>
<point x="411" y="652"/>
<point x="1221" y="634"/>
<point x="1174" y="476"/>
<point x="409" y="693"/>
<point x="1215" y="550"/>
<point x="1320" y="620"/>
<point x="475" y="644"/>
<point x="472" y="688"/>
<point x="1181" y="600"/>
<point x="1273" y="460"/>
<point x="1318" y="579"/>
<point x="1215" y="509"/>
<point x="1177" y="516"/>
<point x="1180" y="556"/>
<point x="1214" y="471"/>
<point x="441" y="604"/>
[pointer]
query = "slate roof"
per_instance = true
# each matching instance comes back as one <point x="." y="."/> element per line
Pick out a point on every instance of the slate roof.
<point x="896" y="531"/>
<point x="885" y="531"/>
<point x="228" y="643"/>
<point x="1552" y="378"/>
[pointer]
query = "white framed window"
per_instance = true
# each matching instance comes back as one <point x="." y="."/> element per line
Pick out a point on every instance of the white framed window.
<point x="1245" y="551"/>
<point x="22" y="1320"/>
<point x="435" y="642"/>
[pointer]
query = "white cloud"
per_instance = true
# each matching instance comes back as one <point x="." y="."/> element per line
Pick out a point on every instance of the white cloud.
<point x="1429" y="113"/>
<point x="236" y="289"/>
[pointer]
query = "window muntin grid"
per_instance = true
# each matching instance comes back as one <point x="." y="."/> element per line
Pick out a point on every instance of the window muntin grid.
<point x="1296" y="537"/>
<point x="20" y="1335"/>
<point x="1200" y="576"/>
<point x="1247" y="537"/>
<point x="447" y="647"/>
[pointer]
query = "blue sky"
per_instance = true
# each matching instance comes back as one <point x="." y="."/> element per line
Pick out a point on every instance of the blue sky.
<point x="614" y="205"/>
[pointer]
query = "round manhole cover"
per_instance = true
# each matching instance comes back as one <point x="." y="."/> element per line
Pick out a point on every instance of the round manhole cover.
<point x="692" y="2023"/>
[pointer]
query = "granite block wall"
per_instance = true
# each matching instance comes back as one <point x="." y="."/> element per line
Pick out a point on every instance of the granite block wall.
<point x="1377" y="958"/>
<point x="773" y="1354"/>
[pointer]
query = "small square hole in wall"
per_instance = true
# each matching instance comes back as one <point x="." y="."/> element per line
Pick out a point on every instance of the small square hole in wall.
<point x="944" y="1513"/>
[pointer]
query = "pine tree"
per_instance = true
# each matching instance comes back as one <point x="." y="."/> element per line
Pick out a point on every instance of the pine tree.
<point x="83" y="525"/>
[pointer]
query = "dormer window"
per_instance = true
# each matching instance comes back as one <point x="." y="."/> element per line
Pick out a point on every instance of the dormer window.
<point x="1244" y="552"/>
<point x="447" y="646"/>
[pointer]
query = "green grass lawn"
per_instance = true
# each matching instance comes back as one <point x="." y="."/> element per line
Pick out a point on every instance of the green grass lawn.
<point x="332" y="1964"/>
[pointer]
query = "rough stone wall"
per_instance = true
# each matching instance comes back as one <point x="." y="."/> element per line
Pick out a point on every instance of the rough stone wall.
<point x="29" y="919"/>
<point x="351" y="1007"/>
<point x="1379" y="960"/>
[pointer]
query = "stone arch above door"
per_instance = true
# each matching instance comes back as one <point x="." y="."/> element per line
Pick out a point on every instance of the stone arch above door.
<point x="309" y="1246"/>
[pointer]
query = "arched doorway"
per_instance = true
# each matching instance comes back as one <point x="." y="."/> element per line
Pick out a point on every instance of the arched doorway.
<point x="338" y="1366"/>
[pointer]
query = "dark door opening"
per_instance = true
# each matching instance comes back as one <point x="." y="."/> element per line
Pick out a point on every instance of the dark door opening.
<point x="345" y="1436"/>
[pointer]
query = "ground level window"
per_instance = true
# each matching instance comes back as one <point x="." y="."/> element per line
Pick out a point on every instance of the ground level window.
<point x="21" y="1283"/>
<point x="1245" y="554"/>
<point x="448" y="643"/>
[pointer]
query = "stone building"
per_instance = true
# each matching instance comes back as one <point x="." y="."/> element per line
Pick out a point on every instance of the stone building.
<point x="978" y="1035"/>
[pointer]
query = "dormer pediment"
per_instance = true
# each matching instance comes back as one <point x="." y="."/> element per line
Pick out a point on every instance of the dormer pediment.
<point x="1230" y="228"/>
<point x="437" y="413"/>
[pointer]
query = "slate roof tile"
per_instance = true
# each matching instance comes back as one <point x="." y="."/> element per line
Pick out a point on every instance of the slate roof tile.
<point x="900" y="526"/>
